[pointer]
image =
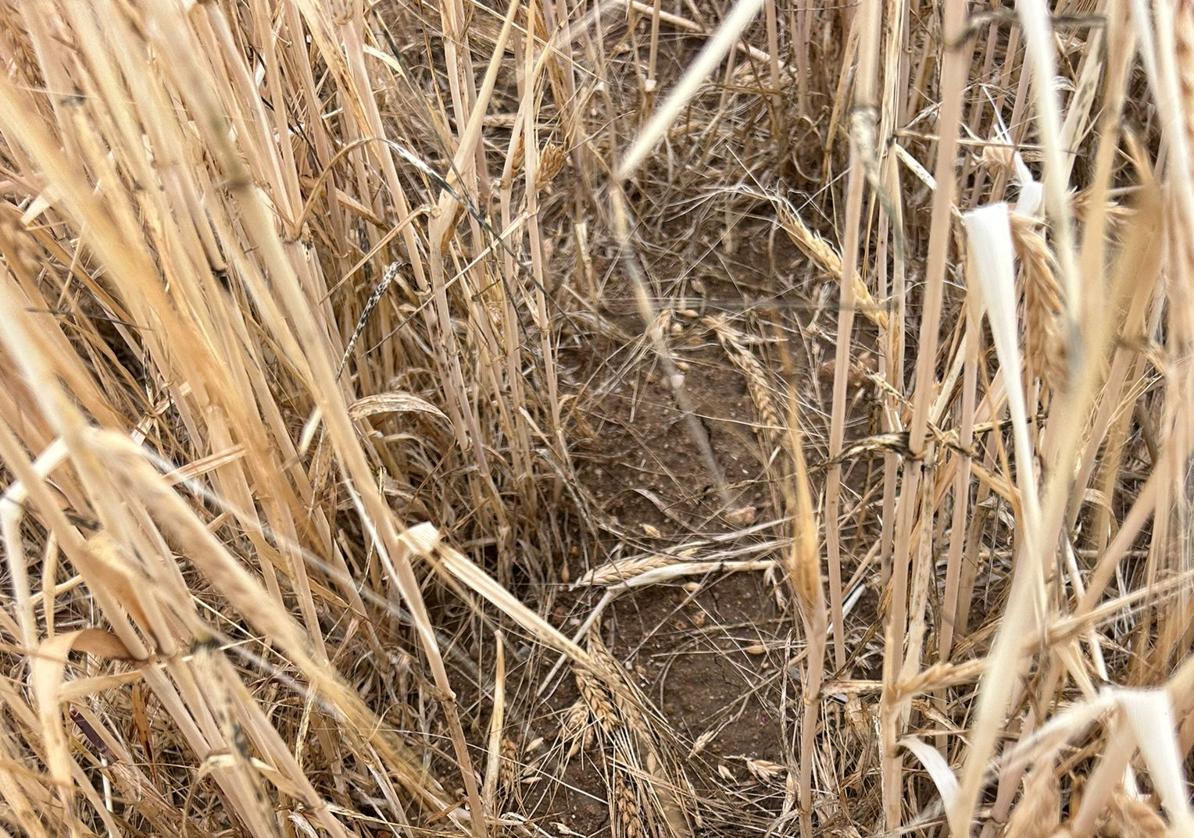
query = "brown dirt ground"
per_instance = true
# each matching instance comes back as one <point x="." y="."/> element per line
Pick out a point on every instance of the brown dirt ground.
<point x="709" y="652"/>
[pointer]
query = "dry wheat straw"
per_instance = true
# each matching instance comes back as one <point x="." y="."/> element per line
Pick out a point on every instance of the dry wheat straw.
<point x="1044" y="345"/>
<point x="757" y="381"/>
<point x="217" y="611"/>
<point x="815" y="247"/>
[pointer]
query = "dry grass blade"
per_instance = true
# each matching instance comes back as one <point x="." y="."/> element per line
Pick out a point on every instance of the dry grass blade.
<point x="392" y="403"/>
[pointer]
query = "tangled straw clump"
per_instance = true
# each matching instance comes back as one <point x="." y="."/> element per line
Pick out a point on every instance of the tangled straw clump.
<point x="342" y="340"/>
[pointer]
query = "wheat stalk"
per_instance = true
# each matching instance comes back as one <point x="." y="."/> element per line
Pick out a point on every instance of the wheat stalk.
<point x="1044" y="342"/>
<point x="814" y="246"/>
<point x="757" y="381"/>
<point x="232" y="573"/>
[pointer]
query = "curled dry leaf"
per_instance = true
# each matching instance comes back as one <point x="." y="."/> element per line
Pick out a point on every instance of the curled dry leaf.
<point x="46" y="676"/>
<point x="942" y="775"/>
<point x="393" y="402"/>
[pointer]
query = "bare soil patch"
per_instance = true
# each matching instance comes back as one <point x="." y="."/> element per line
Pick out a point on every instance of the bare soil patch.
<point x="717" y="653"/>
